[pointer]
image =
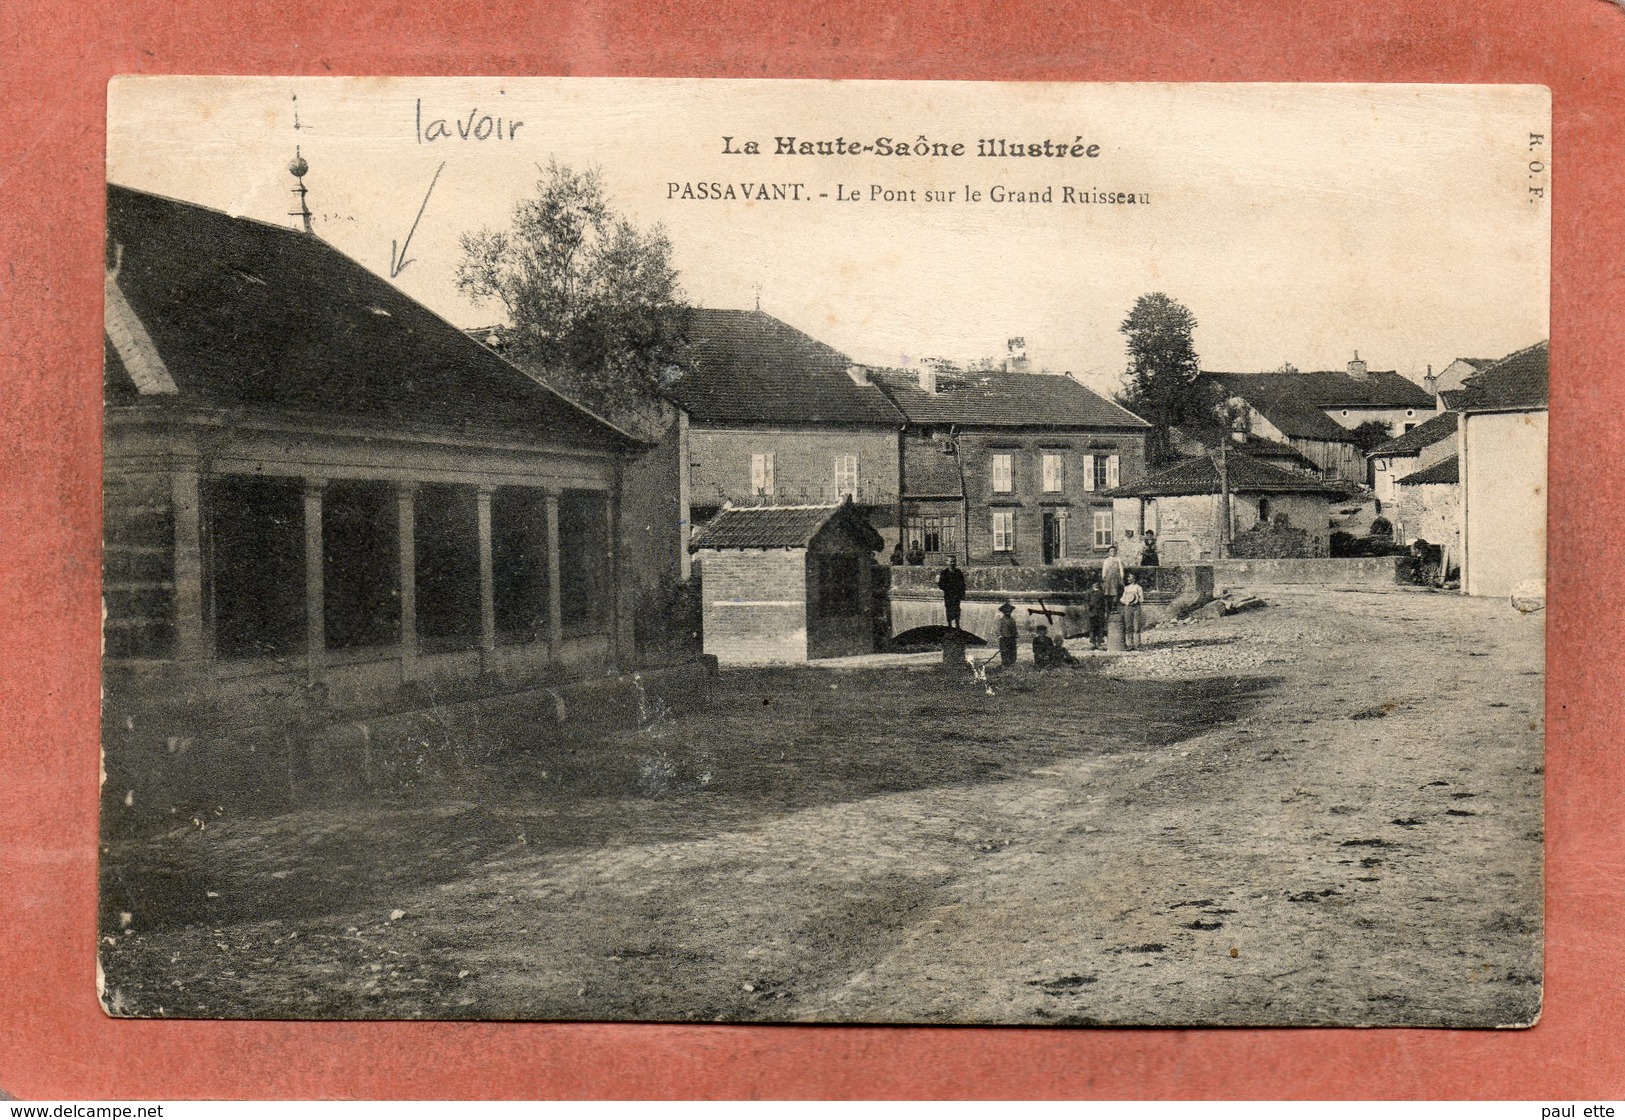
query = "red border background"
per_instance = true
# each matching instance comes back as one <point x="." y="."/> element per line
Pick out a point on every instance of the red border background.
<point x="54" y="64"/>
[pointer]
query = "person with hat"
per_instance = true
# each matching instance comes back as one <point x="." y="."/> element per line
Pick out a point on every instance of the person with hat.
<point x="1094" y="606"/>
<point x="1047" y="651"/>
<point x="1008" y="634"/>
<point x="1133" y="612"/>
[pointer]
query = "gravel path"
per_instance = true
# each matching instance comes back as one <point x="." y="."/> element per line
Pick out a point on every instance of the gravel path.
<point x="1328" y="811"/>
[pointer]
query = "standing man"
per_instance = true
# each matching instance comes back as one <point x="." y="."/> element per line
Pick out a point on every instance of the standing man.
<point x="952" y="583"/>
<point x="1111" y="577"/>
<point x="1133" y="608"/>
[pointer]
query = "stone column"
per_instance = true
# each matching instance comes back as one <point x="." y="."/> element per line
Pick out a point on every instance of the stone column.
<point x="315" y="617"/>
<point x="555" y="596"/>
<point x="406" y="532"/>
<point x="488" y="616"/>
<point x="191" y="642"/>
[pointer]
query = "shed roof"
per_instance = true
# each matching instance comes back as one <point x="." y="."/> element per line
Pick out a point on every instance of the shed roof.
<point x="1425" y="434"/>
<point x="246" y="314"/>
<point x="1444" y="471"/>
<point x="1003" y="400"/>
<point x="1201" y="476"/>
<point x="779" y="526"/>
<point x="1518" y="382"/>
<point x="748" y="367"/>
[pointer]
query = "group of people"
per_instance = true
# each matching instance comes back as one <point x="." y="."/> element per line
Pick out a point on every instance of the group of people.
<point x="1118" y="590"/>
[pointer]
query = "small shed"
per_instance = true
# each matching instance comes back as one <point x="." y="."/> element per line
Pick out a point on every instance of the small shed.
<point x="787" y="583"/>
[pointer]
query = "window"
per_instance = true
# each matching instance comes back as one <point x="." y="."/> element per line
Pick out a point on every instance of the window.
<point x="1004" y="530"/>
<point x="1100" y="472"/>
<point x="761" y="474"/>
<point x="257" y="568"/>
<point x="360" y="565"/>
<point x="448" y="566"/>
<point x="1003" y="473"/>
<point x="1263" y="511"/>
<point x="933" y="533"/>
<point x="1054" y="471"/>
<point x="1408" y="427"/>
<point x="1103" y="528"/>
<point x="584" y="562"/>
<point x="519" y="590"/>
<point x="846" y="476"/>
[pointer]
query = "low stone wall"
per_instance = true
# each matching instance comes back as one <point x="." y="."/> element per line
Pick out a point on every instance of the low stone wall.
<point x="155" y="775"/>
<point x="915" y="600"/>
<point x="1343" y="571"/>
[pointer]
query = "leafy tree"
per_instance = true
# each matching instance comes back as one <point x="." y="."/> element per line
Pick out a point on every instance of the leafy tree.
<point x="1163" y="381"/>
<point x="1371" y="433"/>
<point x="594" y="306"/>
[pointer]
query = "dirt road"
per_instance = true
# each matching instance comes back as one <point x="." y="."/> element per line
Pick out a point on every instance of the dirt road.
<point x="1328" y="811"/>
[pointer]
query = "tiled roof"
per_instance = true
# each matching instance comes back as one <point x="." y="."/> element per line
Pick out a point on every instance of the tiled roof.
<point x="1518" y="381"/>
<point x="777" y="527"/>
<point x="1003" y="400"/>
<point x="1444" y="471"/>
<point x="1296" y="402"/>
<point x="1451" y="398"/>
<point x="249" y="315"/>
<point x="1201" y="476"/>
<point x="748" y="367"/>
<point x="1425" y="434"/>
<point x="1210" y="437"/>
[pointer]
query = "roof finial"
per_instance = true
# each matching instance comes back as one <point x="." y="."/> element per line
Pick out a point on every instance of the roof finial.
<point x="297" y="169"/>
<point x="758" y="287"/>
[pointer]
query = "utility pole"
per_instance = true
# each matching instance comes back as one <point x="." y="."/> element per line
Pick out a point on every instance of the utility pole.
<point x="1222" y="463"/>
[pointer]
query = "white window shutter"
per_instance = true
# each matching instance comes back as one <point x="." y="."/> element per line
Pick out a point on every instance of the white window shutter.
<point x="1088" y="472"/>
<point x="1111" y="471"/>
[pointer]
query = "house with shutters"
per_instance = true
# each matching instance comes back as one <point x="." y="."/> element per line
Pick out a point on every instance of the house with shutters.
<point x="1003" y="467"/>
<point x="1316" y="412"/>
<point x="321" y="497"/>
<point x="774" y="417"/>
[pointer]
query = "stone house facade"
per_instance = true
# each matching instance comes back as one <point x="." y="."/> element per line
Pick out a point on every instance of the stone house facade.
<point x="1010" y="468"/>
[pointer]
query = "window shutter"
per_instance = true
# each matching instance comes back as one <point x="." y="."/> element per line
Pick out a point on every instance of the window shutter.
<point x="1088" y="472"/>
<point x="1111" y="471"/>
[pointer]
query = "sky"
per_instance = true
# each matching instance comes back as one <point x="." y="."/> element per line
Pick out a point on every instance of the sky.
<point x="1299" y="223"/>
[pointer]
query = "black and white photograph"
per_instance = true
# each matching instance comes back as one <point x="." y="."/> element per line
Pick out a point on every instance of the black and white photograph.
<point x="824" y="552"/>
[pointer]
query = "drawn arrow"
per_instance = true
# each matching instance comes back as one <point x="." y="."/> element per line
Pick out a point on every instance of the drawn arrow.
<point x="398" y="262"/>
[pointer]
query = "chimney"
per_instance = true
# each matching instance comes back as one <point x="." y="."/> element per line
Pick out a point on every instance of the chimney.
<point x="1015" y="359"/>
<point x="1357" y="368"/>
<point x="1431" y="381"/>
<point x="928" y="377"/>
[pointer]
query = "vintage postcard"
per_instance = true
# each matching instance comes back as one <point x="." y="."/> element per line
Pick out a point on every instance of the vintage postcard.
<point x="833" y="552"/>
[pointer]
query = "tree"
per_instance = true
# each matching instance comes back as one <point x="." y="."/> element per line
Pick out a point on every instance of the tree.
<point x="1163" y="380"/>
<point x="1370" y="434"/>
<point x="593" y="303"/>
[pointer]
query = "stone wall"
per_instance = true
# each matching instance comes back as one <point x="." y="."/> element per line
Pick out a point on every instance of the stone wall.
<point x="754" y="604"/>
<point x="1353" y="571"/>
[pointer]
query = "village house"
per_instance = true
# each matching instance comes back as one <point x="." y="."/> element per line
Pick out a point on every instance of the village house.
<point x="1502" y="466"/>
<point x="775" y="417"/>
<point x="1316" y="412"/>
<point x="1429" y="509"/>
<point x="1273" y="513"/>
<point x="787" y="583"/>
<point x="1010" y="468"/>
<point x="1430" y="442"/>
<point x="1447" y="384"/>
<point x="317" y="488"/>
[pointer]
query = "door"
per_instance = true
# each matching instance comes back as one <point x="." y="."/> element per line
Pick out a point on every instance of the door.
<point x="1054" y="547"/>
